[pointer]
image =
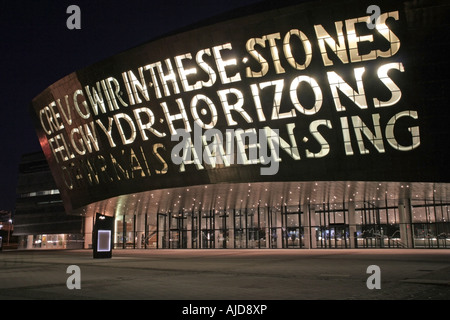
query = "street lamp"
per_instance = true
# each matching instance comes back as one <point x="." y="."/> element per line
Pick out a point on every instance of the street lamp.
<point x="9" y="230"/>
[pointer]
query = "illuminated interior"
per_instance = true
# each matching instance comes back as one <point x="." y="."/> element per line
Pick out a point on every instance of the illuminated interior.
<point x="282" y="215"/>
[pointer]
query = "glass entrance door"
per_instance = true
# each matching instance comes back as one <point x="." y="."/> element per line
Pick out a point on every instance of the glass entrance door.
<point x="292" y="230"/>
<point x="371" y="233"/>
<point x="332" y="229"/>
<point x="240" y="231"/>
<point x="207" y="233"/>
<point x="177" y="231"/>
<point x="222" y="230"/>
<point x="162" y="231"/>
<point x="340" y="236"/>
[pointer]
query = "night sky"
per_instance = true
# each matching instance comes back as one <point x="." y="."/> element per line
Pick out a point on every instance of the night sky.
<point x="37" y="49"/>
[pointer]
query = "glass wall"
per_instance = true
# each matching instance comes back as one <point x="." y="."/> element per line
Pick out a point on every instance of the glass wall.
<point x="377" y="226"/>
<point x="330" y="226"/>
<point x="52" y="241"/>
<point x="431" y="224"/>
<point x="251" y="228"/>
<point x="385" y="224"/>
<point x="125" y="232"/>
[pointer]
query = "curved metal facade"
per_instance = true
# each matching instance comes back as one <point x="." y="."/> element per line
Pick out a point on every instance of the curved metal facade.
<point x="301" y="94"/>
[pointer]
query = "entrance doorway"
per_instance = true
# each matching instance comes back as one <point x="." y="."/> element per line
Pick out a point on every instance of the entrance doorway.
<point x="332" y="228"/>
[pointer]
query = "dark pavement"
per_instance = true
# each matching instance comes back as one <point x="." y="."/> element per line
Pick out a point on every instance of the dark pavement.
<point x="405" y="274"/>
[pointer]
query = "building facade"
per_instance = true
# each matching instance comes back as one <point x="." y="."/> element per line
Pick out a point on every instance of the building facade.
<point x="40" y="220"/>
<point x="312" y="125"/>
<point x="7" y="240"/>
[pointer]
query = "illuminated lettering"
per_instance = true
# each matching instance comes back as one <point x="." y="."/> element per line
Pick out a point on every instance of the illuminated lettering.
<point x="120" y="172"/>
<point x="212" y="109"/>
<point x="346" y="136"/>
<point x="151" y="68"/>
<point x="76" y="175"/>
<point x="82" y="149"/>
<point x="102" y="170"/>
<point x="184" y="73"/>
<point x="188" y="151"/>
<point x="227" y="107"/>
<point x="96" y="99"/>
<point x="65" y="111"/>
<point x="90" y="171"/>
<point x="67" y="177"/>
<point x="165" y="167"/>
<point x="278" y="88"/>
<point x="384" y="30"/>
<point x="353" y="40"/>
<point x="257" y="100"/>
<point x="170" y="77"/>
<point x="222" y="64"/>
<point x="395" y="91"/>
<point x="414" y="131"/>
<point x="85" y="115"/>
<point x="252" y="146"/>
<point x="165" y="79"/>
<point x="45" y="126"/>
<point x="57" y="149"/>
<point x="206" y="68"/>
<point x="179" y="116"/>
<point x="214" y="152"/>
<point x="358" y="97"/>
<point x="272" y="139"/>
<point x="60" y="148"/>
<point x="108" y="131"/>
<point x="291" y="150"/>
<point x="339" y="48"/>
<point x="324" y="146"/>
<point x="55" y="117"/>
<point x="89" y="136"/>
<point x="295" y="85"/>
<point x="144" y="158"/>
<point x="250" y="46"/>
<point x="115" y="94"/>
<point x="179" y="94"/>
<point x="135" y="165"/>
<point x="108" y="98"/>
<point x="376" y="139"/>
<point x="146" y="126"/>
<point x="133" y="86"/>
<point x="306" y="47"/>
<point x="132" y="129"/>
<point x="274" y="51"/>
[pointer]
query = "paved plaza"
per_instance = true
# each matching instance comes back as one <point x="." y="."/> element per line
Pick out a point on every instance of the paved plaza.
<point x="257" y="275"/>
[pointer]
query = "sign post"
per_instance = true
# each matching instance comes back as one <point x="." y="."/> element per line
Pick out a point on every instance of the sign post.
<point x="103" y="236"/>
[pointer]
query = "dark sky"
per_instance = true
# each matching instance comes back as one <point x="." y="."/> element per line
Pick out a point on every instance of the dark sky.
<point x="37" y="49"/>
